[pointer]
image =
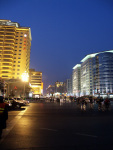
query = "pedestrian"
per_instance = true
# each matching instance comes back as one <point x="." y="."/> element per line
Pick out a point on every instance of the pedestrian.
<point x="91" y="102"/>
<point x="3" y="114"/>
<point x="107" y="103"/>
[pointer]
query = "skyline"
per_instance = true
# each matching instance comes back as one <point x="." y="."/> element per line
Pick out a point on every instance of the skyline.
<point x="63" y="32"/>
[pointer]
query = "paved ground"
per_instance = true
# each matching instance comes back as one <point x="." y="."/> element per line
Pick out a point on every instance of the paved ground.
<point x="55" y="126"/>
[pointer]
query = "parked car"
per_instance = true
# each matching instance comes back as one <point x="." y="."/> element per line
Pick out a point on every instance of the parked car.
<point x="8" y="103"/>
<point x="12" y="104"/>
<point x="22" y="101"/>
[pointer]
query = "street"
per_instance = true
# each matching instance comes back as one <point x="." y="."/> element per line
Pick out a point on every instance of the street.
<point x="55" y="126"/>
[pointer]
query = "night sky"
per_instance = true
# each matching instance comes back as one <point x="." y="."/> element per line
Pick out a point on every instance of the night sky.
<point x="63" y="32"/>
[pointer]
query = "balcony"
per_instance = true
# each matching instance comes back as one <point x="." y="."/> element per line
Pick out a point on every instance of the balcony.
<point x="7" y="60"/>
<point x="1" y="44"/>
<point x="8" y="49"/>
<point x="2" y="29"/>
<point x="7" y="56"/>
<point x="1" y="41"/>
<point x="10" y="30"/>
<point x="1" y="37"/>
<point x="8" y="53"/>
<point x="12" y="44"/>
<point x="9" y="33"/>
<point x="6" y="70"/>
<point x="9" y="37"/>
<point x="7" y="65"/>
<point x="6" y="76"/>
<point x="9" y="41"/>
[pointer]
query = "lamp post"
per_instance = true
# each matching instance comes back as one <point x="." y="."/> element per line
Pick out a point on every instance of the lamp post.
<point x="25" y="78"/>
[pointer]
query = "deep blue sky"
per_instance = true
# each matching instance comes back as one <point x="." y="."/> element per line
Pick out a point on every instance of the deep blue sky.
<point x="63" y="32"/>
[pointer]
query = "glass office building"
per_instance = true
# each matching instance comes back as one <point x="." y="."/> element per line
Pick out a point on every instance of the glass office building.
<point x="103" y="74"/>
<point x="97" y="74"/>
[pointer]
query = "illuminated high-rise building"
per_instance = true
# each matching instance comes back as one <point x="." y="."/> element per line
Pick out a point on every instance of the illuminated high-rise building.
<point x="15" y="45"/>
<point x="36" y="84"/>
<point x="76" y="80"/>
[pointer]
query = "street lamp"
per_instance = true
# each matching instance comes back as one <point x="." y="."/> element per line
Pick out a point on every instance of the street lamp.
<point x="25" y="78"/>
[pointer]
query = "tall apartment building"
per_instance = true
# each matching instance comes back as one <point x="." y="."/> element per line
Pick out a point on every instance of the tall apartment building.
<point x="96" y="76"/>
<point x="35" y="79"/>
<point x="76" y="80"/>
<point x="103" y="73"/>
<point x="86" y="75"/>
<point x="15" y="44"/>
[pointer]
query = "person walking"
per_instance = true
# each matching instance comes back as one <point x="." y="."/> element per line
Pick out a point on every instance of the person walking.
<point x="3" y="114"/>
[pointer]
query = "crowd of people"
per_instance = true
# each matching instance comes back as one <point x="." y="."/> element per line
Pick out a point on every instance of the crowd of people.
<point x="101" y="102"/>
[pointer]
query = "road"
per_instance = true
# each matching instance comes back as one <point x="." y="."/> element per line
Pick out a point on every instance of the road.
<point x="58" y="126"/>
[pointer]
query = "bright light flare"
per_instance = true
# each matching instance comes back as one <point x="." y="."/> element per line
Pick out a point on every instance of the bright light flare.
<point x="25" y="77"/>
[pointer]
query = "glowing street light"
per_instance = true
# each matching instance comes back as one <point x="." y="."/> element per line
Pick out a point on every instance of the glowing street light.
<point x="25" y="78"/>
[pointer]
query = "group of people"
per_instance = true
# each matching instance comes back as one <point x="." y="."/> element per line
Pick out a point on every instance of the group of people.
<point x="3" y="115"/>
<point x="103" y="104"/>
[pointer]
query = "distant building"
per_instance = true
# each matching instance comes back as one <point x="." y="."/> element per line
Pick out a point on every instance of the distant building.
<point x="76" y="80"/>
<point x="69" y="87"/>
<point x="36" y="84"/>
<point x="65" y="87"/>
<point x="59" y="87"/>
<point x="50" y="90"/>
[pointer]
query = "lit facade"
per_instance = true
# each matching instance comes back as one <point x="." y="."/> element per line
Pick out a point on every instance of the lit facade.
<point x="76" y="80"/>
<point x="97" y="74"/>
<point x="86" y="77"/>
<point x="15" y="45"/>
<point x="50" y="89"/>
<point x="103" y="74"/>
<point x="59" y="87"/>
<point x="36" y="84"/>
